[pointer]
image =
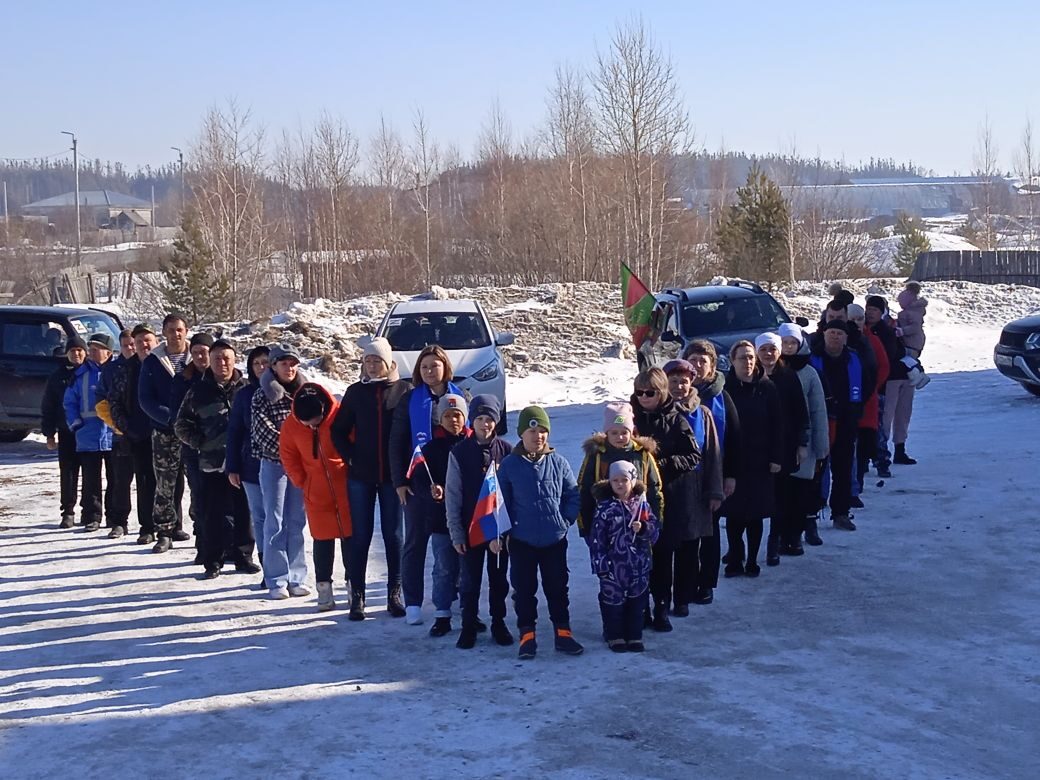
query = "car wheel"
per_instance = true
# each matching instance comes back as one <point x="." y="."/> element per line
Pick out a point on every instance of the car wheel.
<point x="9" y="436"/>
<point x="1034" y="389"/>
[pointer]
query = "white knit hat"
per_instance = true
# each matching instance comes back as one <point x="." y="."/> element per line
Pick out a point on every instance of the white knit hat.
<point x="381" y="348"/>
<point x="767" y="338"/>
<point x="791" y="331"/>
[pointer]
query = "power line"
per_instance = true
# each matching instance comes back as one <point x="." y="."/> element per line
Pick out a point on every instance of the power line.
<point x="34" y="159"/>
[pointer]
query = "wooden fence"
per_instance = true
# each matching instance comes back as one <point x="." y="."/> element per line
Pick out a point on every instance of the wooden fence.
<point x="996" y="267"/>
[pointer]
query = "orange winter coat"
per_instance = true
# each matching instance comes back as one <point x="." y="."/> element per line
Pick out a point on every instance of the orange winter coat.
<point x="312" y="464"/>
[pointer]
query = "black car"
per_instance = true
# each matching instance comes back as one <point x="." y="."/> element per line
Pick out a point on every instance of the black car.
<point x="720" y="313"/>
<point x="32" y="346"/>
<point x="1017" y="356"/>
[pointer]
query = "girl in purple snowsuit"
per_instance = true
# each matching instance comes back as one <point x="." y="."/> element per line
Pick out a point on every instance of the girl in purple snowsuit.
<point x="624" y="529"/>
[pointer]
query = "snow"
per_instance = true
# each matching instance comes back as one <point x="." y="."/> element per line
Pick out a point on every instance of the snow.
<point x="905" y="649"/>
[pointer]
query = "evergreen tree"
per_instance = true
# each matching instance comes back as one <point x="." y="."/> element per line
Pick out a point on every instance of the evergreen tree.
<point x="192" y="283"/>
<point x="752" y="237"/>
<point x="914" y="242"/>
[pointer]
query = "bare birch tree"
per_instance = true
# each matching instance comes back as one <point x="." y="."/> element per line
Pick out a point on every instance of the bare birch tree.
<point x="423" y="164"/>
<point x="986" y="161"/>
<point x="1026" y="164"/>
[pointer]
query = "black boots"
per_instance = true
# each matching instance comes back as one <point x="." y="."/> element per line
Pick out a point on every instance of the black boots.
<point x="357" y="605"/>
<point x="812" y="535"/>
<point x="901" y="458"/>
<point x="467" y="637"/>
<point x="661" y="622"/>
<point x="440" y="627"/>
<point x="773" y="550"/>
<point x="564" y="642"/>
<point x="394" y="604"/>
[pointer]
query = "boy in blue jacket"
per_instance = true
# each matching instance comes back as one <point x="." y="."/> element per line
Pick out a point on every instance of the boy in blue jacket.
<point x="541" y="495"/>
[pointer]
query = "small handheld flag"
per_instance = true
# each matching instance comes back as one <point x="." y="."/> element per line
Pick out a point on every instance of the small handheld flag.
<point x="639" y="305"/>
<point x="490" y="518"/>
<point x="418" y="459"/>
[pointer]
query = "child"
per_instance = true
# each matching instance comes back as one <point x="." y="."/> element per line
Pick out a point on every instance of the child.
<point x="467" y="465"/>
<point x="541" y="496"/>
<point x="617" y="443"/>
<point x="428" y="481"/>
<point x="911" y="318"/>
<point x="623" y="531"/>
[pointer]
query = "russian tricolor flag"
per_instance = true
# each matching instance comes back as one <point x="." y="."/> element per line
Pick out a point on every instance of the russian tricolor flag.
<point x="490" y="518"/>
<point x="418" y="459"/>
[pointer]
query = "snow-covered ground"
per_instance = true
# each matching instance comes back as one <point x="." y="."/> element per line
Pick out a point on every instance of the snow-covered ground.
<point x="906" y="649"/>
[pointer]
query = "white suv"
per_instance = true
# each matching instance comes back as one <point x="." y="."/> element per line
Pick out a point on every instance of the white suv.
<point x="462" y="329"/>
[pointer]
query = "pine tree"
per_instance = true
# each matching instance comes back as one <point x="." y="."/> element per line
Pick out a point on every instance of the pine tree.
<point x="752" y="237"/>
<point x="192" y="284"/>
<point x="914" y="242"/>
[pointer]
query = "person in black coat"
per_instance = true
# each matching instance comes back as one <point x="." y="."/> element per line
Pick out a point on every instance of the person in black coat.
<point x="874" y="314"/>
<point x="361" y="434"/>
<point x="660" y="418"/>
<point x="56" y="429"/>
<point x="761" y="456"/>
<point x="794" y="416"/>
<point x="844" y="381"/>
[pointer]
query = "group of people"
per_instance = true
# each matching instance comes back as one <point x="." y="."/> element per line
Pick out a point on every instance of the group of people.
<point x="792" y="426"/>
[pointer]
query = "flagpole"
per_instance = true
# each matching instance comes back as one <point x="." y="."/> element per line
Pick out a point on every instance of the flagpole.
<point x="498" y="555"/>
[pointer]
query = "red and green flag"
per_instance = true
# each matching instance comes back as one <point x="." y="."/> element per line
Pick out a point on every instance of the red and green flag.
<point x="639" y="305"/>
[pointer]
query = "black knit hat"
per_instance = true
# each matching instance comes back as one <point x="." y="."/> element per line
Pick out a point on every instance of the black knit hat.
<point x="204" y="339"/>
<point x="878" y="302"/>
<point x="75" y="342"/>
<point x="223" y="344"/>
<point x="835" y="325"/>
<point x="309" y="403"/>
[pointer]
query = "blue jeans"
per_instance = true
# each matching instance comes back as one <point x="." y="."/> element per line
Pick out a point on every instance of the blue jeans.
<point x="445" y="574"/>
<point x="284" y="560"/>
<point x="363" y="497"/>
<point x="255" y="497"/>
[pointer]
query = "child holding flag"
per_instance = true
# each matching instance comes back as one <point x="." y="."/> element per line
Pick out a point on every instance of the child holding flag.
<point x="428" y="473"/>
<point x="624" y="529"/>
<point x="472" y="496"/>
<point x="617" y="442"/>
<point x="541" y="495"/>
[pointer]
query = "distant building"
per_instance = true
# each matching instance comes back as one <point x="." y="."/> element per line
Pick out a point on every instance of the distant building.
<point x="936" y="196"/>
<point x="98" y="208"/>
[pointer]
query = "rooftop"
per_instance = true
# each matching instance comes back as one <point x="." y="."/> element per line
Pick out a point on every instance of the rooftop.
<point x="91" y="198"/>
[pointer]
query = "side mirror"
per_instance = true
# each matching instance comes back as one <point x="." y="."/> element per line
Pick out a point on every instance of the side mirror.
<point x="504" y="339"/>
<point x="803" y="321"/>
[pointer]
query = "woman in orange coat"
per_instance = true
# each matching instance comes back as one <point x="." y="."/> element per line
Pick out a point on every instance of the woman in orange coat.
<point x="312" y="464"/>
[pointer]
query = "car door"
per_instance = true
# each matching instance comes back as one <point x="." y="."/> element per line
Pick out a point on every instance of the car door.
<point x="30" y="350"/>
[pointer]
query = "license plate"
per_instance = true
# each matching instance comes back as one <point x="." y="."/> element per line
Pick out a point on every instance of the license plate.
<point x="1003" y="360"/>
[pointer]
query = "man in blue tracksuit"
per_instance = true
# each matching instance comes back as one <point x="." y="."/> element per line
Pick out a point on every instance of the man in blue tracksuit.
<point x="93" y="436"/>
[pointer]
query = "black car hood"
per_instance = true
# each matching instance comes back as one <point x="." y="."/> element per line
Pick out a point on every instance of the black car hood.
<point x="726" y="340"/>
<point x="1024" y="325"/>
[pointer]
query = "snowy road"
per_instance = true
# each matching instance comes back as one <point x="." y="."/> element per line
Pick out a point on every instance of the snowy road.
<point x="906" y="649"/>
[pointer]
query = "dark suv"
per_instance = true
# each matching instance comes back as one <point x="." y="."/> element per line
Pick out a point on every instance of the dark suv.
<point x="722" y="314"/>
<point x="32" y="345"/>
<point x="1017" y="355"/>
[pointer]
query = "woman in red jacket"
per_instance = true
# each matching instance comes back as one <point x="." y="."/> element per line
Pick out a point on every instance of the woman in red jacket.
<point x="312" y="464"/>
<point x="866" y="442"/>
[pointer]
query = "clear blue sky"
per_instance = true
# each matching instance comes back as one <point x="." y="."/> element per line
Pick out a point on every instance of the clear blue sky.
<point x="910" y="79"/>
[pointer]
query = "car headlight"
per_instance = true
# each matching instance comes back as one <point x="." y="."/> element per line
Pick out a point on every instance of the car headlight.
<point x="487" y="373"/>
<point x="723" y="362"/>
<point x="1033" y="342"/>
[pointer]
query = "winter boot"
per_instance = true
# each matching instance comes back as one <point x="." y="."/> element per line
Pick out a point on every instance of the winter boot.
<point x="566" y="643"/>
<point x="772" y="551"/>
<point x="812" y="534"/>
<point x="681" y="610"/>
<point x="528" y="644"/>
<point x="883" y="471"/>
<point x="117" y="532"/>
<point x="661" y="622"/>
<point x="635" y="646"/>
<point x="618" y="645"/>
<point x="180" y="536"/>
<point x="163" y="545"/>
<point x="704" y="596"/>
<point x="856" y="503"/>
<point x="500" y="633"/>
<point x="247" y="566"/>
<point x="901" y="458"/>
<point x="326" y="600"/>
<point x="441" y="626"/>
<point x="481" y="626"/>
<point x="357" y="605"/>
<point x="752" y="570"/>
<point x="67" y="521"/>
<point x="91" y="527"/>
<point x="394" y="604"/>
<point x="467" y="637"/>
<point x="843" y="522"/>
<point x="145" y="538"/>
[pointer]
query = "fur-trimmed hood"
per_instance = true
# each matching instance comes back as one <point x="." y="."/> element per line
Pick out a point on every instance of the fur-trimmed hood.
<point x="597" y="443"/>
<point x="602" y="491"/>
<point x="274" y="390"/>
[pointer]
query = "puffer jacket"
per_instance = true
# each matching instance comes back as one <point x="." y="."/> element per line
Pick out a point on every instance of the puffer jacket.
<point x="619" y="554"/>
<point x="869" y="420"/>
<point x="240" y="458"/>
<point x="154" y="387"/>
<point x="762" y="443"/>
<point x="313" y="464"/>
<point x="596" y="467"/>
<point x="540" y="494"/>
<point x="812" y="389"/>
<point x="92" y="434"/>
<point x="271" y="407"/>
<point x="203" y="417"/>
<point x="361" y="430"/>
<point x="912" y="309"/>
<point x="52" y="407"/>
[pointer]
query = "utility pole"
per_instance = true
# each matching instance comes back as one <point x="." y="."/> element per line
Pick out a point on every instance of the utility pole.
<point x="180" y="163"/>
<point x="7" y="218"/>
<point x="75" y="165"/>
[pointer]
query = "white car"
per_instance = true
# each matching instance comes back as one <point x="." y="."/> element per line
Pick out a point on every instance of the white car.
<point x="462" y="329"/>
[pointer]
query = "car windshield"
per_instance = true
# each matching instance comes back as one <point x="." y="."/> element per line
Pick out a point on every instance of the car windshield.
<point x="412" y="332"/>
<point x="86" y="325"/>
<point x="759" y="312"/>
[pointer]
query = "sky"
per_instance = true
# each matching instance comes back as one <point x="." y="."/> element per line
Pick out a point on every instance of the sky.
<point x="911" y="80"/>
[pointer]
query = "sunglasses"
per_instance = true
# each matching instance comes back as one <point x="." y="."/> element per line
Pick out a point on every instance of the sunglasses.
<point x="646" y="393"/>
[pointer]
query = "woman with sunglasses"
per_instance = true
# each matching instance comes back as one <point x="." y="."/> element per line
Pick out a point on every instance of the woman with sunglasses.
<point x="761" y="455"/>
<point x="660" y="418"/>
